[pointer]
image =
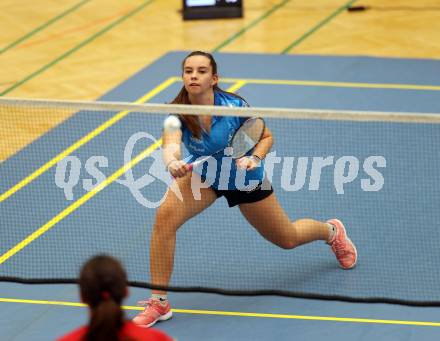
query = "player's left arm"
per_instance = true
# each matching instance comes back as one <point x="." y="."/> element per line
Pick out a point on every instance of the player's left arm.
<point x="260" y="151"/>
<point x="263" y="147"/>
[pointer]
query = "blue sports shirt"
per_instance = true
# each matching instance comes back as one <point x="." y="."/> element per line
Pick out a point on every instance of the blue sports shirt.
<point x="221" y="171"/>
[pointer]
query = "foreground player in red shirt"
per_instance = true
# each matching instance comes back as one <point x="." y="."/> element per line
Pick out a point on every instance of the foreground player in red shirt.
<point x="103" y="286"/>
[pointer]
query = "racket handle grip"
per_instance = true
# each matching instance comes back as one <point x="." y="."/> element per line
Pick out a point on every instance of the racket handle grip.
<point x="197" y="162"/>
<point x="190" y="168"/>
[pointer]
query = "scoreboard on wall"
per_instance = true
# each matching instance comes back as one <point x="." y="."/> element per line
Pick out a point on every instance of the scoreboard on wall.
<point x="211" y="9"/>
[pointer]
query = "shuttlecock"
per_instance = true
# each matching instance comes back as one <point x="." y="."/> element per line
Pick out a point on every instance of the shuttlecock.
<point x="172" y="123"/>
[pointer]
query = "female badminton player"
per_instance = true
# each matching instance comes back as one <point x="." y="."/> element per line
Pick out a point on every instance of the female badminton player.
<point x="203" y="135"/>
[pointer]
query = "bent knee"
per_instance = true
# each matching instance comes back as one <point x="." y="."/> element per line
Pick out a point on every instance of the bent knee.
<point x="287" y="244"/>
<point x="169" y="217"/>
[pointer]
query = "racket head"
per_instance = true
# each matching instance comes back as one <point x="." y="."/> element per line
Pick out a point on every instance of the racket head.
<point x="247" y="136"/>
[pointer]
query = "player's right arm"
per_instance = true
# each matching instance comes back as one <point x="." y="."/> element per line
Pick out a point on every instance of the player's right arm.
<point x="172" y="153"/>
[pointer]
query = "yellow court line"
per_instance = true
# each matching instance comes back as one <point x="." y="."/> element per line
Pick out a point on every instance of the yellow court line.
<point x="310" y="318"/>
<point x="71" y="208"/>
<point x="237" y="85"/>
<point x="42" y="302"/>
<point x="83" y="141"/>
<point x="329" y="84"/>
<point x="337" y="84"/>
<point x="241" y="314"/>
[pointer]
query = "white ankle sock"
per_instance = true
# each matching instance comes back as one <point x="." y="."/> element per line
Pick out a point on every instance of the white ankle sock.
<point x="331" y="231"/>
<point x="161" y="298"/>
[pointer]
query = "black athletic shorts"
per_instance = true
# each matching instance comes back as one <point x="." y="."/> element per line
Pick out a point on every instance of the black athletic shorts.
<point x="237" y="197"/>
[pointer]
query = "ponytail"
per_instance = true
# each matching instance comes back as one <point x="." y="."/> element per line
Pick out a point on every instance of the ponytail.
<point x="191" y="122"/>
<point x="105" y="322"/>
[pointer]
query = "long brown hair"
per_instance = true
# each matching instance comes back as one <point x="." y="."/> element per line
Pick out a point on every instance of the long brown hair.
<point x="191" y="121"/>
<point x="103" y="285"/>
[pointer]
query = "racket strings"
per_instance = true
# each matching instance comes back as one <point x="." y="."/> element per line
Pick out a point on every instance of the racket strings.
<point x="247" y="136"/>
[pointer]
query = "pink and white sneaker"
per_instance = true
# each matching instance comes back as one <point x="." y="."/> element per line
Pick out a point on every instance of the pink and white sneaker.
<point x="154" y="311"/>
<point x="342" y="246"/>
